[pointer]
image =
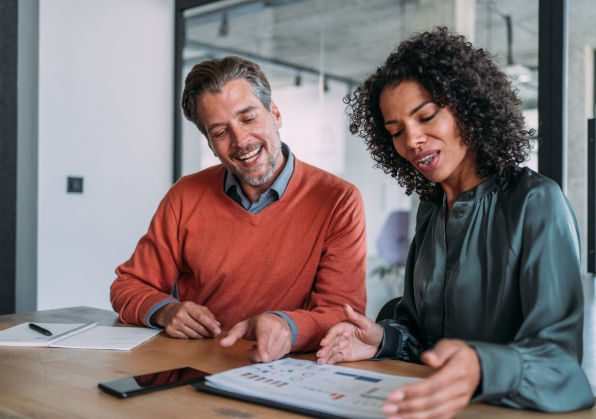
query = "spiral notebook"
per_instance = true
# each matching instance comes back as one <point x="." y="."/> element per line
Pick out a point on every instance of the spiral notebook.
<point x="77" y="336"/>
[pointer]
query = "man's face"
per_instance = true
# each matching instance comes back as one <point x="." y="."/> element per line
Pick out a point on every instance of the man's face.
<point x="243" y="134"/>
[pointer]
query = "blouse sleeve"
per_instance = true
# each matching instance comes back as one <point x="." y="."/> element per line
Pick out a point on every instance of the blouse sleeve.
<point x="401" y="338"/>
<point x="541" y="368"/>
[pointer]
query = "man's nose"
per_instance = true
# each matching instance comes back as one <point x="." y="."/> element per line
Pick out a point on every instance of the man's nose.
<point x="239" y="136"/>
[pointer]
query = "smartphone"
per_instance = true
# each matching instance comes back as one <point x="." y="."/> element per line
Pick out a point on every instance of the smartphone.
<point x="146" y="383"/>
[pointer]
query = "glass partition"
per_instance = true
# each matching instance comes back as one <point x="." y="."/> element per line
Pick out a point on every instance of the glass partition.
<point x="316" y="52"/>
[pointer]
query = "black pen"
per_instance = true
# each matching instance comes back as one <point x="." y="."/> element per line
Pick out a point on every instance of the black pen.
<point x="40" y="329"/>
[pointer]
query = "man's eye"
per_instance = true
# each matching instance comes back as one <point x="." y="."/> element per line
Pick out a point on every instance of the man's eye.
<point x="219" y="133"/>
<point x="248" y="120"/>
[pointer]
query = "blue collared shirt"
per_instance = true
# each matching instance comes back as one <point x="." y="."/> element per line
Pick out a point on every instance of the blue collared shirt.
<point x="273" y="193"/>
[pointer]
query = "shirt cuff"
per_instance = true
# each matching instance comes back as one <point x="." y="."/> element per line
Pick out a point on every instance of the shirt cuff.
<point x="154" y="309"/>
<point x="291" y="323"/>
<point x="391" y="344"/>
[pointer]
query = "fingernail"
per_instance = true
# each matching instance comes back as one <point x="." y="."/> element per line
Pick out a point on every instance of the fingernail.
<point x="217" y="331"/>
<point x="399" y="396"/>
<point x="390" y="408"/>
<point x="429" y="357"/>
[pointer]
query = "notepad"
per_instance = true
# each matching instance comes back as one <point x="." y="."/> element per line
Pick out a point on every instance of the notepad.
<point x="77" y="336"/>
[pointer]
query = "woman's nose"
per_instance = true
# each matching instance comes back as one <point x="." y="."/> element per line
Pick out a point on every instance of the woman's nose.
<point x="414" y="137"/>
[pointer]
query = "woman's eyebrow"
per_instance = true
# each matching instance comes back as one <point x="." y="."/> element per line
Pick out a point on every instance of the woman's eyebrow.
<point x="412" y="112"/>
<point x="417" y="108"/>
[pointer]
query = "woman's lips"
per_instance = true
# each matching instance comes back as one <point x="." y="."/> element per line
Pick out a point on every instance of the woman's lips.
<point x="427" y="161"/>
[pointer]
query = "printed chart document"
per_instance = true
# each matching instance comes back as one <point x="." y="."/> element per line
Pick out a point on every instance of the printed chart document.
<point x="77" y="336"/>
<point x="307" y="387"/>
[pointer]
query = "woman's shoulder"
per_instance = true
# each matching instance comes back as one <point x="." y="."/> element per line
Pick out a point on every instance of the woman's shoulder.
<point x="531" y="187"/>
<point x="533" y="197"/>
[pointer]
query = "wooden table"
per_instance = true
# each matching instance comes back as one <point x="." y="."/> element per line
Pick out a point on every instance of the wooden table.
<point x="62" y="383"/>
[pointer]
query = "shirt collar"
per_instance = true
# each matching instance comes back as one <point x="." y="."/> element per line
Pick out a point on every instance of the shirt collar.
<point x="278" y="186"/>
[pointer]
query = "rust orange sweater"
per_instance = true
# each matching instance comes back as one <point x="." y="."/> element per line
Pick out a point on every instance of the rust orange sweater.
<point x="303" y="254"/>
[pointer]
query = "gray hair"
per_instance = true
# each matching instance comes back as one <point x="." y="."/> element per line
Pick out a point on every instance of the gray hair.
<point x="211" y="75"/>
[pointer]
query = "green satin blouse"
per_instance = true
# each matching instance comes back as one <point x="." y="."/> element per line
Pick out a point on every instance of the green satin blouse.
<point x="503" y="274"/>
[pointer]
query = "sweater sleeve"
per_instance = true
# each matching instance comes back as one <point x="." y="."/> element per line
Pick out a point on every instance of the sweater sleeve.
<point x="146" y="282"/>
<point x="340" y="277"/>
<point x="540" y="369"/>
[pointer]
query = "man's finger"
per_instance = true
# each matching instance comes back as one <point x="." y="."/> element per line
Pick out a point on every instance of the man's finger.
<point x="263" y="336"/>
<point x="195" y="331"/>
<point x="235" y="333"/>
<point x="204" y="317"/>
<point x="175" y="333"/>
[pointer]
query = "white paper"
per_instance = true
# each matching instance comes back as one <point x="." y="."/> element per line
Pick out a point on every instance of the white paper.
<point x="342" y="391"/>
<point x="106" y="337"/>
<point x="77" y="335"/>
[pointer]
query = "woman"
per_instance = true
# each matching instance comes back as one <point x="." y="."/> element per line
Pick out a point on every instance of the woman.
<point x="493" y="298"/>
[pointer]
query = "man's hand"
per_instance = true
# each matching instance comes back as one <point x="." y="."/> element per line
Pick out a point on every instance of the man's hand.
<point x="445" y="393"/>
<point x="352" y="340"/>
<point x="187" y="320"/>
<point x="272" y="333"/>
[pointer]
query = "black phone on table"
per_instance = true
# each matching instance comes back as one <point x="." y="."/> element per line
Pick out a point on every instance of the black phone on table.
<point x="146" y="383"/>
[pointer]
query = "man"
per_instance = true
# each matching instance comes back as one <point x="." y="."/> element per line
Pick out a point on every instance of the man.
<point x="263" y="245"/>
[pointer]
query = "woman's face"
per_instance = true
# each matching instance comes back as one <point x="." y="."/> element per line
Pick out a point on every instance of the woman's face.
<point x="427" y="136"/>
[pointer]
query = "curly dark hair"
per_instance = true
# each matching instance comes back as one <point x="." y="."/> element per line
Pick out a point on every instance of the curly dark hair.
<point x="455" y="74"/>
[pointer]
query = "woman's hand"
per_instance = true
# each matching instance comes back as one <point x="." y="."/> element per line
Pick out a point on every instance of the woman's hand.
<point x="445" y="393"/>
<point x="352" y="340"/>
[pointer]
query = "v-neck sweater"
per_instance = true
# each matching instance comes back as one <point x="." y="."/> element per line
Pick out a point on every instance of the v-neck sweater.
<point x="303" y="255"/>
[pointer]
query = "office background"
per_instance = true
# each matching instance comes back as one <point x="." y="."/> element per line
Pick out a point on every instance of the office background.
<point x="88" y="90"/>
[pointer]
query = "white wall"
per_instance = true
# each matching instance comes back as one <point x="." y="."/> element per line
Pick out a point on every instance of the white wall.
<point x="105" y="113"/>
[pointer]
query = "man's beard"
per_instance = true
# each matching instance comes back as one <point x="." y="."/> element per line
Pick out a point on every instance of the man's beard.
<point x="271" y="163"/>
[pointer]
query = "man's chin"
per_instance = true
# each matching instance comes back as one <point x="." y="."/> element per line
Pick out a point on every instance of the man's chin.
<point x="254" y="179"/>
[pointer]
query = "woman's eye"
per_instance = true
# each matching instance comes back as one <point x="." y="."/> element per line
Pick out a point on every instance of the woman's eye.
<point x="428" y="117"/>
<point x="396" y="134"/>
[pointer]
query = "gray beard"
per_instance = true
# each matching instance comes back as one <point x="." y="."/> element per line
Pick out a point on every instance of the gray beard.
<point x="271" y="163"/>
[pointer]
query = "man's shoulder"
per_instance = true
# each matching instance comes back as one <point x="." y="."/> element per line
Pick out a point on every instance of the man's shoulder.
<point x="209" y="176"/>
<point x="197" y="184"/>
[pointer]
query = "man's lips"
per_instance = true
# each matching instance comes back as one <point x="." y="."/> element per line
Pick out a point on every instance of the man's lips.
<point x="250" y="155"/>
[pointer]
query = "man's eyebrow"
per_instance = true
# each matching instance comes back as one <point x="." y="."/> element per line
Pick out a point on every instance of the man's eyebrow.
<point x="238" y="113"/>
<point x="246" y="110"/>
<point x="412" y="112"/>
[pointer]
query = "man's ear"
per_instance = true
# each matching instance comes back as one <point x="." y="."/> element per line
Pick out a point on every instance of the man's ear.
<point x="276" y="114"/>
